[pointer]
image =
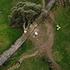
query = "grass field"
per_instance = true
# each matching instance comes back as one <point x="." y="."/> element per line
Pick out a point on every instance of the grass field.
<point x="25" y="48"/>
<point x="34" y="63"/>
<point x="62" y="39"/>
<point x="8" y="36"/>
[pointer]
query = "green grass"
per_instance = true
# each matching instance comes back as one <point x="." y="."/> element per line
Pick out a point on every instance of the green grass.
<point x="7" y="34"/>
<point x="62" y="39"/>
<point x="25" y="48"/>
<point x="34" y="63"/>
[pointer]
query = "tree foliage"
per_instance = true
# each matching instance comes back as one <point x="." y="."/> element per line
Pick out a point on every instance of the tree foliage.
<point x="24" y="13"/>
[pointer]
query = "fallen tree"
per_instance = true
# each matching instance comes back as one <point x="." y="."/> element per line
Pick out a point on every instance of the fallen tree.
<point x="8" y="53"/>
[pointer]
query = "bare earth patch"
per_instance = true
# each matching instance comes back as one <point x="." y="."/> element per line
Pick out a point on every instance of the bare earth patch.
<point x="44" y="41"/>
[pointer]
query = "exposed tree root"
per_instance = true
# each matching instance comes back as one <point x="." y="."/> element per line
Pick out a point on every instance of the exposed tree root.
<point x="24" y="57"/>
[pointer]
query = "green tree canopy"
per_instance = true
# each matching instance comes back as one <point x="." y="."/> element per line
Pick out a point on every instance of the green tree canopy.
<point x="25" y="13"/>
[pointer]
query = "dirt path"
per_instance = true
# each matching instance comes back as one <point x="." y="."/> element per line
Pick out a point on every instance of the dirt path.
<point x="44" y="40"/>
<point x="49" y="44"/>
